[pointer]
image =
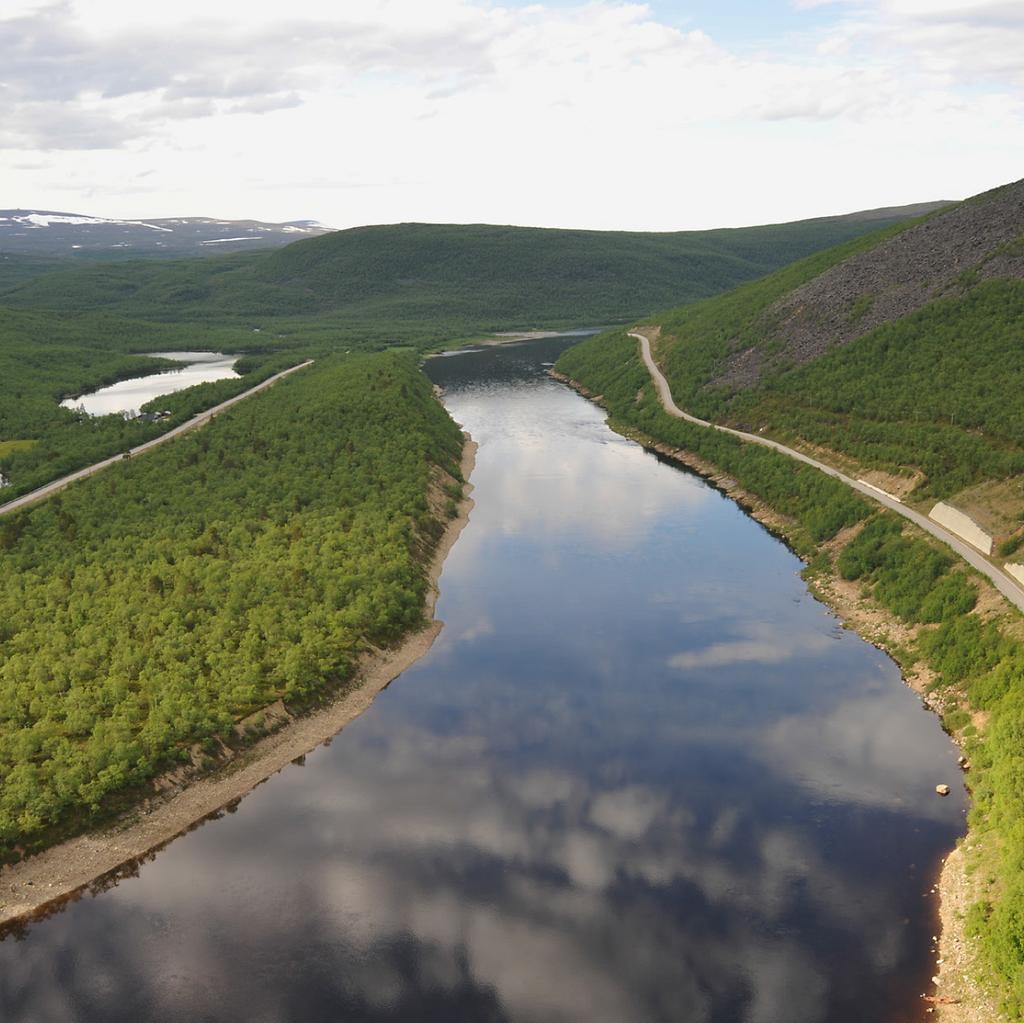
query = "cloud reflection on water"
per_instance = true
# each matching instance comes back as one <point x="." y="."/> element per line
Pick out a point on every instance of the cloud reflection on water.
<point x="558" y="894"/>
<point x="762" y="644"/>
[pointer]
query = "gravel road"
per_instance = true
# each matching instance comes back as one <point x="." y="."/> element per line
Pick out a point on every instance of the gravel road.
<point x="1002" y="582"/>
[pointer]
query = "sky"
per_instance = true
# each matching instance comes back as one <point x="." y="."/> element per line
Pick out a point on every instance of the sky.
<point x="669" y="115"/>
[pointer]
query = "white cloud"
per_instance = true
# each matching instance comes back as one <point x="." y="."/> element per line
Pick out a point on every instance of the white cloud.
<point x="828" y="757"/>
<point x="947" y="44"/>
<point x="595" y="115"/>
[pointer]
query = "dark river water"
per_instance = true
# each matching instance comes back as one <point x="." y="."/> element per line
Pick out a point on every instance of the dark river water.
<point x="641" y="776"/>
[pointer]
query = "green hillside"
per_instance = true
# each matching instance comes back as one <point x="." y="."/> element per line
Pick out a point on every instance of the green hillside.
<point x="466" y="277"/>
<point x="935" y="393"/>
<point x="898" y="352"/>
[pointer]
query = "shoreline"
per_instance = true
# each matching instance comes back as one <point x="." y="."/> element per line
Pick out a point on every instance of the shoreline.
<point x="95" y="861"/>
<point x="955" y="995"/>
<point x="512" y="338"/>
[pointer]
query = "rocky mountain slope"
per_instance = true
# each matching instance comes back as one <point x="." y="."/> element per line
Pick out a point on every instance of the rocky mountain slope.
<point x="981" y="239"/>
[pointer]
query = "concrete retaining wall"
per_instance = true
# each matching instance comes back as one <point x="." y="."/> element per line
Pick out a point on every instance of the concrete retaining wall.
<point x="1017" y="571"/>
<point x="962" y="525"/>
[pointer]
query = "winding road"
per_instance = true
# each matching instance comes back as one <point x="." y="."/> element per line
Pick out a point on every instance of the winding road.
<point x="1002" y="582"/>
<point x="198" y="420"/>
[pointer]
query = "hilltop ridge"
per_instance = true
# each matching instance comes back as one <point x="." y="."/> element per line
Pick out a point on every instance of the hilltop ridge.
<point x="464" y="277"/>
<point x="980" y="239"/>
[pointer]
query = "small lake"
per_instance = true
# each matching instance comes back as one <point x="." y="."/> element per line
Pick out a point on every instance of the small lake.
<point x="131" y="395"/>
<point x="642" y="777"/>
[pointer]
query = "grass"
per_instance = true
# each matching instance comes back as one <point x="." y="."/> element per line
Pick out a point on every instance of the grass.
<point x="8" y="447"/>
<point x="996" y="505"/>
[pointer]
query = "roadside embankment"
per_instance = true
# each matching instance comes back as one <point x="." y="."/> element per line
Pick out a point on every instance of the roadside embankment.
<point x="43" y="883"/>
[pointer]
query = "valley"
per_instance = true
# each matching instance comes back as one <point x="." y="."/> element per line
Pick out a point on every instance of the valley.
<point x="261" y="579"/>
<point x="641" y="773"/>
<point x="512" y="512"/>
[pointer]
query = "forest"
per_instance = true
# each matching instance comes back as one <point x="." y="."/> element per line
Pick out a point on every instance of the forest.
<point x="47" y="357"/>
<point x="461" y="279"/>
<point x="977" y="657"/>
<point x="149" y="607"/>
<point x="67" y="326"/>
<point x="928" y="391"/>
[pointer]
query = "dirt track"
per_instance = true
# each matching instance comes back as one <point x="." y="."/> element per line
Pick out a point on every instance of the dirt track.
<point x="1002" y="582"/>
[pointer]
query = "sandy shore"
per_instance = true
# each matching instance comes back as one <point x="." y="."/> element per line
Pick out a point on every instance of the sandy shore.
<point x="956" y="996"/>
<point x="514" y="337"/>
<point x="43" y="883"/>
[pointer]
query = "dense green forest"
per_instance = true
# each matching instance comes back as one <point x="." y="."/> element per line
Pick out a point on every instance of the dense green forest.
<point x="45" y="358"/>
<point x="978" y="660"/>
<point x="461" y="278"/>
<point x="149" y="607"/>
<point x="16" y="268"/>
<point x="929" y="391"/>
<point x="71" y="326"/>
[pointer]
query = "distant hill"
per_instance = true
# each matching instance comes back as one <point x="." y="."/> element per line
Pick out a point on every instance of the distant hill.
<point x="49" y="233"/>
<point x="460" y="277"/>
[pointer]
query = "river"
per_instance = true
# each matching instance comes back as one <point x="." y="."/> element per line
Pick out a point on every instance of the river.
<point x="641" y="776"/>
<point x="128" y="396"/>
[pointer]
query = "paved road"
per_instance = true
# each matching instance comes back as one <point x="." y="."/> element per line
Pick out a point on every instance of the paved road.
<point x="1002" y="582"/>
<point x="195" y="421"/>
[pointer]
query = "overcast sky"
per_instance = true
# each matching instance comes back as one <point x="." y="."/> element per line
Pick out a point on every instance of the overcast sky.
<point x="660" y="116"/>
